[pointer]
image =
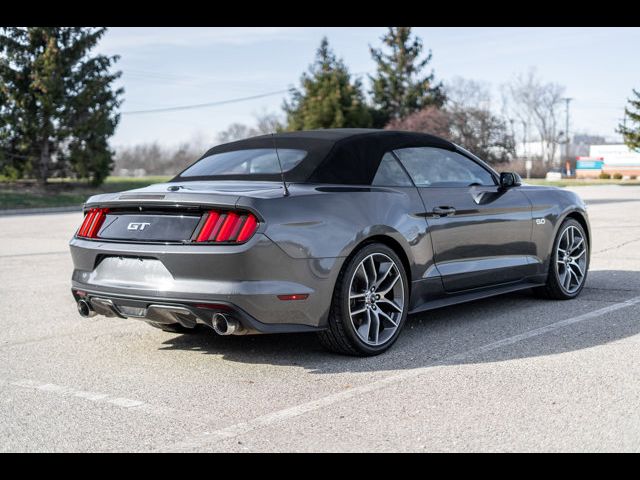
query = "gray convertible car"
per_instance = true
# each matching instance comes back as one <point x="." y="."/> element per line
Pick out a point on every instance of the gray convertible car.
<point x="341" y="232"/>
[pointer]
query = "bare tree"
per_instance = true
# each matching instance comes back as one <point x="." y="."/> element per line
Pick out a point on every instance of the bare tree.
<point x="265" y="123"/>
<point x="236" y="131"/>
<point x="537" y="105"/>
<point x="465" y="93"/>
<point x="466" y="119"/>
<point x="268" y="123"/>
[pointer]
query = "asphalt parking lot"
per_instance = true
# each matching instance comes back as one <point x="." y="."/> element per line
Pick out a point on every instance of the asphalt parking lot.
<point x="512" y="373"/>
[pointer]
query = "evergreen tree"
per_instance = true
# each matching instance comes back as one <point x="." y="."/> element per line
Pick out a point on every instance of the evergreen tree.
<point x="327" y="97"/>
<point x="58" y="104"/>
<point x="398" y="89"/>
<point x="630" y="130"/>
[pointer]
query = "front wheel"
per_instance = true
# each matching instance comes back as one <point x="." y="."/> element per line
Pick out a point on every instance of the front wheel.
<point x="370" y="303"/>
<point x="569" y="263"/>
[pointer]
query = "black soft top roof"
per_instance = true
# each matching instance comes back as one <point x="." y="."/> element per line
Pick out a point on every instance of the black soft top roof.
<point x="339" y="155"/>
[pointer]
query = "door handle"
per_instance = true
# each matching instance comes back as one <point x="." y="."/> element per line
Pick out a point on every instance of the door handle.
<point x="444" y="211"/>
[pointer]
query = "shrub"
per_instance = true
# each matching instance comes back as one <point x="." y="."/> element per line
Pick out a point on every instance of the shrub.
<point x="604" y="176"/>
<point x="617" y="176"/>
<point x="633" y="177"/>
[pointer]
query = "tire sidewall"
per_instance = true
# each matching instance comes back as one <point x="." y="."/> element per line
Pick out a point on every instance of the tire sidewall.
<point x="343" y="297"/>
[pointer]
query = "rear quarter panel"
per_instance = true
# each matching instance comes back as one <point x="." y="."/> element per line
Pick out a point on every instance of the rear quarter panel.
<point x="552" y="205"/>
<point x="331" y="221"/>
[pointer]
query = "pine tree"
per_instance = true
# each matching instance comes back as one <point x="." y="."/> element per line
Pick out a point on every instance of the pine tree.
<point x="398" y="89"/>
<point x="327" y="97"/>
<point x="58" y="104"/>
<point x="630" y="130"/>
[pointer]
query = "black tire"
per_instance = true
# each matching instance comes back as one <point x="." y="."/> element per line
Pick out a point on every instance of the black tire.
<point x="172" y="327"/>
<point x="553" y="288"/>
<point x="340" y="336"/>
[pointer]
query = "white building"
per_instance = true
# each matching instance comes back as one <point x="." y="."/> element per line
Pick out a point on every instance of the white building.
<point x="538" y="150"/>
<point x="617" y="158"/>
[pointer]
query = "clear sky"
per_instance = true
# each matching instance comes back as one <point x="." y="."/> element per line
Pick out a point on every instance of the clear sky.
<point x="167" y="67"/>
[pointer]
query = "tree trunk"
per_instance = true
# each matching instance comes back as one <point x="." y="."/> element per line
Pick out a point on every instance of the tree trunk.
<point x="45" y="158"/>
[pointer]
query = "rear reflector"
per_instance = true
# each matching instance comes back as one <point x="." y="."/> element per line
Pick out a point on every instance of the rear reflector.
<point x="294" y="296"/>
<point x="92" y="222"/>
<point x="227" y="227"/>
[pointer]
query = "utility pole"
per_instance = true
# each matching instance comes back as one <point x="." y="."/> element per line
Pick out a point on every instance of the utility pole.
<point x="566" y="130"/>
<point x="525" y="150"/>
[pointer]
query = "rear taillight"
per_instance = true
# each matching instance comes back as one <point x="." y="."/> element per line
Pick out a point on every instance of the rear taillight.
<point x="92" y="222"/>
<point x="228" y="227"/>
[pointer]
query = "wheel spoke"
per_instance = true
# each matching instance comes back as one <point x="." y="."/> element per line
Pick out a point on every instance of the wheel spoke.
<point x="374" y="327"/>
<point x="356" y="295"/>
<point x="567" y="284"/>
<point x="385" y="274"/>
<point x="387" y="317"/>
<point x="392" y="304"/>
<point x="363" y="329"/>
<point x="571" y="238"/>
<point x="579" y="255"/>
<point x="388" y="289"/>
<point x="357" y="312"/>
<point x="374" y="272"/>
<point x="577" y="245"/>
<point x="574" y="264"/>
<point x="366" y="277"/>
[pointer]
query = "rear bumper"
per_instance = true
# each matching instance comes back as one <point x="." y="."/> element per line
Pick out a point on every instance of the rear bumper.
<point x="247" y="278"/>
<point x="184" y="312"/>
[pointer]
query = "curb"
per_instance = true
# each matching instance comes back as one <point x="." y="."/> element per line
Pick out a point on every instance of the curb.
<point x="38" y="211"/>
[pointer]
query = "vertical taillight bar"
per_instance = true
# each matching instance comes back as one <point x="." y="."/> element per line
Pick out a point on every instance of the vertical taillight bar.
<point x="247" y="229"/>
<point x="227" y="227"/>
<point x="209" y="226"/>
<point x="92" y="222"/>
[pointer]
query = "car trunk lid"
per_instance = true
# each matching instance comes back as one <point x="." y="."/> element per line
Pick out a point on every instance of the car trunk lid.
<point x="174" y="213"/>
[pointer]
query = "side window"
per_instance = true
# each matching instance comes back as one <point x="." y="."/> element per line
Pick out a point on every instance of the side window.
<point x="435" y="167"/>
<point x="390" y="173"/>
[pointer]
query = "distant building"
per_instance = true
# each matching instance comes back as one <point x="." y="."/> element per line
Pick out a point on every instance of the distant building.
<point x="581" y="144"/>
<point x="617" y="158"/>
<point x="537" y="149"/>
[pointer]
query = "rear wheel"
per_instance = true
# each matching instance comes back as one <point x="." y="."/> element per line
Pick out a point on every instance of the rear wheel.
<point x="172" y="327"/>
<point x="569" y="263"/>
<point x="370" y="303"/>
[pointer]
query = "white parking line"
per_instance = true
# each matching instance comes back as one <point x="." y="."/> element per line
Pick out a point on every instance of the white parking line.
<point x="96" y="397"/>
<point x="208" y="438"/>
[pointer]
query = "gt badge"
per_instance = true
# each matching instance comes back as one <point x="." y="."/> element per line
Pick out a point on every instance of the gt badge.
<point x="137" y="226"/>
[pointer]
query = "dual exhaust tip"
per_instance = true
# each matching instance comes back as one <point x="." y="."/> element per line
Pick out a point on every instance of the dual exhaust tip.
<point x="85" y="309"/>
<point x="221" y="323"/>
<point x="225" y="325"/>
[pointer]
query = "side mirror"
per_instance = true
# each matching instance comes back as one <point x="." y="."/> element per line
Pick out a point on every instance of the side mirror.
<point x="510" y="179"/>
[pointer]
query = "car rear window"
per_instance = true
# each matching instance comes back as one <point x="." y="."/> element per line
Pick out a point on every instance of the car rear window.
<point x="254" y="161"/>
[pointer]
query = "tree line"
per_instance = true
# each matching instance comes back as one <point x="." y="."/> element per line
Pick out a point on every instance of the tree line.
<point x="59" y="106"/>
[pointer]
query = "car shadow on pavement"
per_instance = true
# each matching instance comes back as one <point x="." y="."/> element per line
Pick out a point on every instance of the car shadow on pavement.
<point x="438" y="335"/>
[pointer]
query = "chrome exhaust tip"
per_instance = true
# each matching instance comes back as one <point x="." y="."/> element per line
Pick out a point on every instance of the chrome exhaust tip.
<point x="224" y="325"/>
<point x="85" y="310"/>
